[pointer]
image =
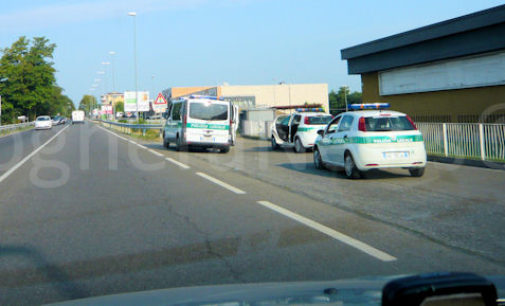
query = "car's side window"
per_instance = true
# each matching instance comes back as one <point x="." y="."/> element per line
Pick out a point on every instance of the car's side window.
<point x="346" y="123"/>
<point x="296" y="119"/>
<point x="280" y="119"/>
<point x="286" y="120"/>
<point x="332" y="127"/>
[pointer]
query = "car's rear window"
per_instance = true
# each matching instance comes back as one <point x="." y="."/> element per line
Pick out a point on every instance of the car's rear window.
<point x="208" y="111"/>
<point x="319" y="119"/>
<point x="43" y="119"/>
<point x="384" y="124"/>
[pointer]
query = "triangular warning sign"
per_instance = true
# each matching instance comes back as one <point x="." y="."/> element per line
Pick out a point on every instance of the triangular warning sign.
<point x="160" y="100"/>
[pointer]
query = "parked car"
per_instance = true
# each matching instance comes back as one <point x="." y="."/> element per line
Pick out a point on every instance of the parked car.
<point x="43" y="122"/>
<point x="298" y="130"/>
<point x="364" y="139"/>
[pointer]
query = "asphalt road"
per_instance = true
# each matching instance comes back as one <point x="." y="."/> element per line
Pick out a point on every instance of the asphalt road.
<point x="91" y="213"/>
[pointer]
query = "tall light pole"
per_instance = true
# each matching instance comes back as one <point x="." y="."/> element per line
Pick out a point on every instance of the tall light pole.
<point x="112" y="53"/>
<point x="345" y="97"/>
<point x="134" y="15"/>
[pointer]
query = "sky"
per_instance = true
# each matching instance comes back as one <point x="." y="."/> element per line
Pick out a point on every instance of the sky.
<point x="212" y="42"/>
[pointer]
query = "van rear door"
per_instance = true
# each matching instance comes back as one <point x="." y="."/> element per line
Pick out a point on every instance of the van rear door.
<point x="208" y="122"/>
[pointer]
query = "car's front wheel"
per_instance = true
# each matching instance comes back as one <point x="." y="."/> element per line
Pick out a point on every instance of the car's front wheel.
<point x="351" y="171"/>
<point x="416" y="172"/>
<point x="318" y="160"/>
<point x="166" y="144"/>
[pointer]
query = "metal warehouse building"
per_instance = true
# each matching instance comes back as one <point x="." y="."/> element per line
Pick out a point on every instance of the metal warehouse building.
<point x="452" y="71"/>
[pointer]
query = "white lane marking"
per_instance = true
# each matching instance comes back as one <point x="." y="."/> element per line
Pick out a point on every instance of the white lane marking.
<point x="156" y="153"/>
<point x="24" y="160"/>
<point x="221" y="183"/>
<point x="330" y="232"/>
<point x="131" y="141"/>
<point x="175" y="162"/>
<point x="112" y="133"/>
<point x="141" y="146"/>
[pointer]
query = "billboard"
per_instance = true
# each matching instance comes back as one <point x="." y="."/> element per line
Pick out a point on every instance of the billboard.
<point x="142" y="98"/>
<point x="106" y="109"/>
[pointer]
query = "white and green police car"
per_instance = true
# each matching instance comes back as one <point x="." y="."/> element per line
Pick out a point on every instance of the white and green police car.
<point x="298" y="130"/>
<point x="367" y="139"/>
<point x="200" y="121"/>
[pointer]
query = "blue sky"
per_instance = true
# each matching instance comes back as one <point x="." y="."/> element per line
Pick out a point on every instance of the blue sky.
<point x="209" y="42"/>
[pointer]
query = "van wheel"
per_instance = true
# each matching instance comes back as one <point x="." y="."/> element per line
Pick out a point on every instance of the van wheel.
<point x="224" y="150"/>
<point x="275" y="146"/>
<point x="166" y="144"/>
<point x="299" y="148"/>
<point x="350" y="169"/>
<point x="416" y="172"/>
<point x="178" y="144"/>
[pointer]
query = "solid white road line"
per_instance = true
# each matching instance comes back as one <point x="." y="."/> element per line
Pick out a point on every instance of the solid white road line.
<point x="221" y="183"/>
<point x="131" y="141"/>
<point x="24" y="160"/>
<point x="141" y="146"/>
<point x="330" y="232"/>
<point x="175" y="162"/>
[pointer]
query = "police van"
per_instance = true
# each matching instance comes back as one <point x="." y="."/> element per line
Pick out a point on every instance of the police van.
<point x="371" y="137"/>
<point x="298" y="130"/>
<point x="200" y="121"/>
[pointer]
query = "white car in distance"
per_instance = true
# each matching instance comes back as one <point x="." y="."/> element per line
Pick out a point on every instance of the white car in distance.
<point x="43" y="123"/>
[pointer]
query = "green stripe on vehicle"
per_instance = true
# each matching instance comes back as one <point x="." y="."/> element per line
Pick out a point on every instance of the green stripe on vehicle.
<point x="208" y="126"/>
<point x="305" y="129"/>
<point x="372" y="140"/>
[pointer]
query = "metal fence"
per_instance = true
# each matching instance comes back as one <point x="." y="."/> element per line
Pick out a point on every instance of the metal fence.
<point x="128" y="127"/>
<point x="465" y="140"/>
<point x="6" y="128"/>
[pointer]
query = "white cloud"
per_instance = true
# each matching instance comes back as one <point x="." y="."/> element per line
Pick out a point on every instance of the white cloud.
<point x="65" y="13"/>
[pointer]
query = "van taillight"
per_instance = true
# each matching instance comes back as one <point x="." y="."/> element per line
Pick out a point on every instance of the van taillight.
<point x="361" y="124"/>
<point x="306" y="120"/>
<point x="412" y="122"/>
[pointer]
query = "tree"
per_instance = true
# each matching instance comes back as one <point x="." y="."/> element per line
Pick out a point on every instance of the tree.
<point x="88" y="103"/>
<point x="337" y="99"/>
<point x="120" y="106"/>
<point x="27" y="81"/>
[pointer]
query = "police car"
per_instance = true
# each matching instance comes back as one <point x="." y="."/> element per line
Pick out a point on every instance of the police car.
<point x="200" y="121"/>
<point x="370" y="137"/>
<point x="298" y="130"/>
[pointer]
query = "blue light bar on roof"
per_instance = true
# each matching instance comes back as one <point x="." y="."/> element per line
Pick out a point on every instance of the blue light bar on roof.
<point x="301" y="110"/>
<point x="369" y="106"/>
<point x="206" y="97"/>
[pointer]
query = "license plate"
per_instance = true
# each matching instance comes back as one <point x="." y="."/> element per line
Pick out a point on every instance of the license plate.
<point x="395" y="155"/>
<point x="207" y="138"/>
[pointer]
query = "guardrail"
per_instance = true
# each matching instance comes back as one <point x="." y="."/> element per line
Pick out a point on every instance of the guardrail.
<point x="127" y="127"/>
<point x="9" y="127"/>
<point x="482" y="141"/>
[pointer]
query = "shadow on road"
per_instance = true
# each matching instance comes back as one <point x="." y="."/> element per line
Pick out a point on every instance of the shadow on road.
<point x="336" y="172"/>
<point x="42" y="272"/>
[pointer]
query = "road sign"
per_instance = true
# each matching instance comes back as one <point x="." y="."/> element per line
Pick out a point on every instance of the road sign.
<point x="160" y="104"/>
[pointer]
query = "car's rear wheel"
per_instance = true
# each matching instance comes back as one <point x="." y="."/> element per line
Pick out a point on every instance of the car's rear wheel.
<point x="350" y="169"/>
<point x="178" y="144"/>
<point x="224" y="150"/>
<point x="299" y="148"/>
<point x="318" y="160"/>
<point x="416" y="172"/>
<point x="275" y="146"/>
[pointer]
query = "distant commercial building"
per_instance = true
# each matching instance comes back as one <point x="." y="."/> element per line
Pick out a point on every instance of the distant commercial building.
<point x="253" y="96"/>
<point x="112" y="98"/>
<point x="452" y="71"/>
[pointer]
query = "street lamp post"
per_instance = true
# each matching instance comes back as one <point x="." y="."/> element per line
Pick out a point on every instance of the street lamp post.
<point x="345" y="98"/>
<point x="112" y="53"/>
<point x="134" y="15"/>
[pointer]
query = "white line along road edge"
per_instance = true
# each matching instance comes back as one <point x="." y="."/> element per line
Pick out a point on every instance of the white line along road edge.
<point x="24" y="160"/>
<point x="330" y="232"/>
<point x="221" y="183"/>
<point x="175" y="162"/>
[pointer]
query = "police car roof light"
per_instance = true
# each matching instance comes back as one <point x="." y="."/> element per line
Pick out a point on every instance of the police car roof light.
<point x="300" y="110"/>
<point x="206" y="97"/>
<point x="369" y="106"/>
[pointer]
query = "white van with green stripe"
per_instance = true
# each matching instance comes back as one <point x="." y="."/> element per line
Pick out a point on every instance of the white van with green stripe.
<point x="363" y="140"/>
<point x="200" y="121"/>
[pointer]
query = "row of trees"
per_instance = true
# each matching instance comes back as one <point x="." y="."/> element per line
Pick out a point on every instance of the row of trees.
<point x="337" y="99"/>
<point x="27" y="81"/>
<point x="89" y="102"/>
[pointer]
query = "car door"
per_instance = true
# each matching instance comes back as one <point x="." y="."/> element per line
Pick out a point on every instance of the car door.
<point x="293" y="127"/>
<point x="173" y="121"/>
<point x="283" y="128"/>
<point x="326" y="141"/>
<point x="341" y="138"/>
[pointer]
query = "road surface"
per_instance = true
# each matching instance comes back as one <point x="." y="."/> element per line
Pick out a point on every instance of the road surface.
<point x="86" y="212"/>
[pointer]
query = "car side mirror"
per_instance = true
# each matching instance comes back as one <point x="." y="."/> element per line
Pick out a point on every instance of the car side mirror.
<point x="321" y="132"/>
